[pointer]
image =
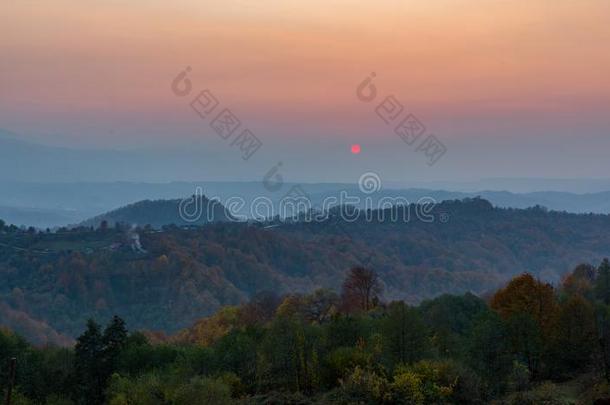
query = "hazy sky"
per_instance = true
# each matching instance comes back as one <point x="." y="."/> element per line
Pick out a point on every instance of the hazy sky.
<point x="511" y="88"/>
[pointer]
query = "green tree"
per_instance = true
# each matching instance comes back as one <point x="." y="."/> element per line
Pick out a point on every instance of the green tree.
<point x="527" y="341"/>
<point x="346" y="330"/>
<point x="404" y="335"/>
<point x="236" y="352"/>
<point x="89" y="358"/>
<point x="602" y="326"/>
<point x="573" y="338"/>
<point x="285" y="357"/>
<point x="602" y="310"/>
<point x="602" y="282"/>
<point x="489" y="350"/>
<point x="114" y="341"/>
<point x="450" y="319"/>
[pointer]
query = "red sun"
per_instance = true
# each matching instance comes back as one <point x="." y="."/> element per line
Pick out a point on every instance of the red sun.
<point x="356" y="149"/>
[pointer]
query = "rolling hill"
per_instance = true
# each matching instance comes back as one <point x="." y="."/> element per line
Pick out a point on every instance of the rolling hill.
<point x="179" y="275"/>
<point x="159" y="213"/>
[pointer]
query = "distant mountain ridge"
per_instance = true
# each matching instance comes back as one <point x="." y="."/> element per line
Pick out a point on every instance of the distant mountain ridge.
<point x="59" y="204"/>
<point x="165" y="212"/>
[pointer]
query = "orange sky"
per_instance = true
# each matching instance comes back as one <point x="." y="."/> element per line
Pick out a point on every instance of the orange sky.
<point x="290" y="68"/>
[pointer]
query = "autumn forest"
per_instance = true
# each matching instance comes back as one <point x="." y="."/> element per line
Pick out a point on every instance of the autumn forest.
<point x="493" y="306"/>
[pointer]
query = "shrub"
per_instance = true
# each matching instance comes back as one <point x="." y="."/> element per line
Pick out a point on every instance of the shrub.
<point x="366" y="386"/>
<point x="202" y="391"/>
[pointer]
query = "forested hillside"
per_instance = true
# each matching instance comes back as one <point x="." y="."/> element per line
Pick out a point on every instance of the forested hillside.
<point x="529" y="343"/>
<point x="163" y="212"/>
<point x="165" y="279"/>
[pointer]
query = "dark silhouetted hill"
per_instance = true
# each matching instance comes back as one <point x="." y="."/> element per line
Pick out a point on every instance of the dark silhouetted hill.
<point x="198" y="211"/>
